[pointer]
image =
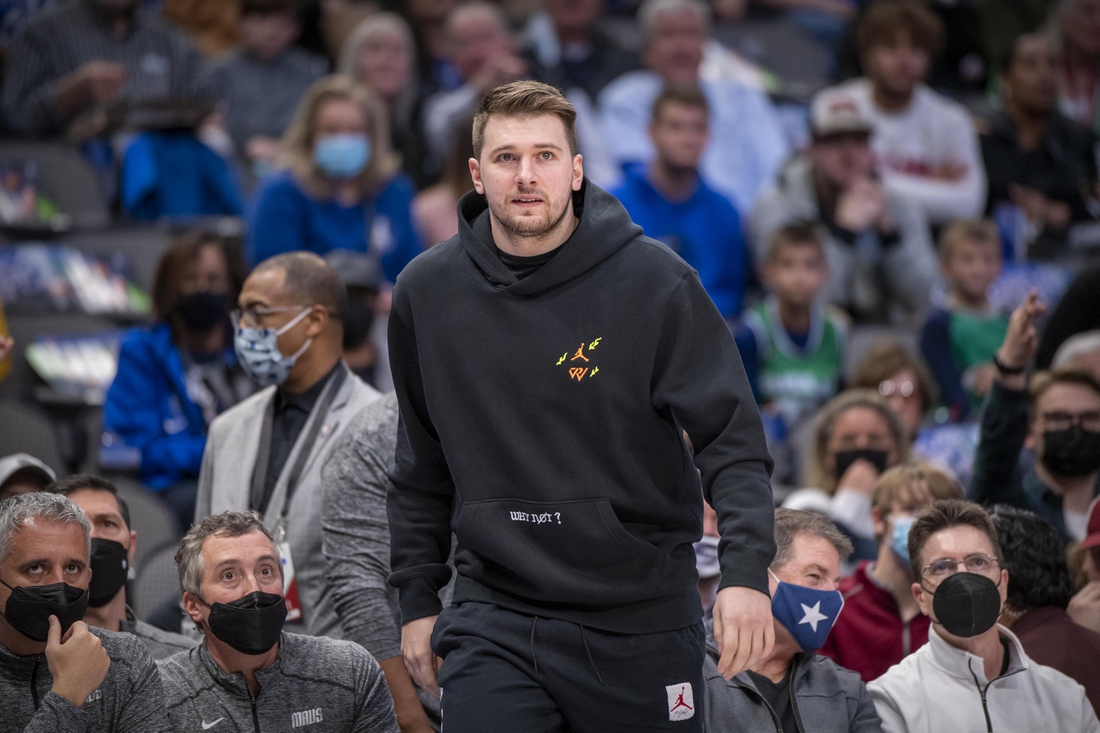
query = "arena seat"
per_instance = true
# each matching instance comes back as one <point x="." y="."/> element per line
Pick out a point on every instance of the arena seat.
<point x="65" y="178"/>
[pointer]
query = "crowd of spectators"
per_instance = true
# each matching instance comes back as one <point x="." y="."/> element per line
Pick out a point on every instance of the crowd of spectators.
<point x="948" y="144"/>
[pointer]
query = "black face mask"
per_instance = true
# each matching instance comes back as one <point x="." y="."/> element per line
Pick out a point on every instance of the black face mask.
<point x="251" y="624"/>
<point x="845" y="458"/>
<point x="200" y="312"/>
<point x="30" y="607"/>
<point x="109" y="568"/>
<point x="1074" y="452"/>
<point x="967" y="604"/>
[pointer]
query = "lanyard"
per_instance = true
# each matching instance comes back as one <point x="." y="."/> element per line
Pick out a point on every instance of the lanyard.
<point x="304" y="444"/>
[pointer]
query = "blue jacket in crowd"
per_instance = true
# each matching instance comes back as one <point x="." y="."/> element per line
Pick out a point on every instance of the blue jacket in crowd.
<point x="148" y="407"/>
<point x="705" y="230"/>
<point x="284" y="218"/>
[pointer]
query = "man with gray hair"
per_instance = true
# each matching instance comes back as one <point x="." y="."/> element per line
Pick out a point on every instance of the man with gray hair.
<point x="93" y="681"/>
<point x="249" y="672"/>
<point x="743" y="158"/>
<point x="795" y="689"/>
<point x="265" y="454"/>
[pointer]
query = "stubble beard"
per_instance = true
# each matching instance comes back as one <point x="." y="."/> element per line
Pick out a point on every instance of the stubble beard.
<point x="530" y="227"/>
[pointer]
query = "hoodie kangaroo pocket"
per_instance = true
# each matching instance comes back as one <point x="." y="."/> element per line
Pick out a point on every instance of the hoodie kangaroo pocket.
<point x="559" y="551"/>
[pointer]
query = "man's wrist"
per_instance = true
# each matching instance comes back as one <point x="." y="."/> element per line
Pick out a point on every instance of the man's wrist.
<point x="1007" y="368"/>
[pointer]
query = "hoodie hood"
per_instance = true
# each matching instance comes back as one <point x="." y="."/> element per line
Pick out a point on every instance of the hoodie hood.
<point x="605" y="226"/>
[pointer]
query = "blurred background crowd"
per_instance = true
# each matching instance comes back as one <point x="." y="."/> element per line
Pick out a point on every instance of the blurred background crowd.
<point x="894" y="203"/>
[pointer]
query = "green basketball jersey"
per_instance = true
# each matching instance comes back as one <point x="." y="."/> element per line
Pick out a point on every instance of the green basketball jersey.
<point x="796" y="379"/>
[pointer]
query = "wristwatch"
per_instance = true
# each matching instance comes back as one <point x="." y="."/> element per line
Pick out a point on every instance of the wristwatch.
<point x="1005" y="369"/>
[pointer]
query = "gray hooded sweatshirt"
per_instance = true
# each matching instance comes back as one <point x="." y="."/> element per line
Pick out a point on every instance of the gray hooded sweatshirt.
<point x="315" y="684"/>
<point x="130" y="699"/>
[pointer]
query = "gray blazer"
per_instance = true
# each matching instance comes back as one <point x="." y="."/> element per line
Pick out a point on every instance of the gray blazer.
<point x="225" y="479"/>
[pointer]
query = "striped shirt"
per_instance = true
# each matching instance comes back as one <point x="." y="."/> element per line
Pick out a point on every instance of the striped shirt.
<point x="159" y="62"/>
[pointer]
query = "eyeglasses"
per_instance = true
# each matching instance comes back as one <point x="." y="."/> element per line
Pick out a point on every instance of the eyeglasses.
<point x="1065" y="420"/>
<point x="889" y="388"/>
<point x="250" y="316"/>
<point x="976" y="563"/>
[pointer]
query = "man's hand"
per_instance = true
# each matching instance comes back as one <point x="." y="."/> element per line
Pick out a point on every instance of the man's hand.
<point x="1037" y="207"/>
<point x="861" y="476"/>
<point x="1084" y="608"/>
<point x="743" y="628"/>
<point x="1021" y="340"/>
<point x="862" y="205"/>
<point x="411" y="717"/>
<point x="416" y="648"/>
<point x="94" y="83"/>
<point x="7" y="343"/>
<point x="77" y="662"/>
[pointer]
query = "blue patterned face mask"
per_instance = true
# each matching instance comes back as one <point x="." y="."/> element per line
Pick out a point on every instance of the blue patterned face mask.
<point x="258" y="351"/>
<point x="342" y="156"/>
<point x="899" y="542"/>
<point x="808" y="613"/>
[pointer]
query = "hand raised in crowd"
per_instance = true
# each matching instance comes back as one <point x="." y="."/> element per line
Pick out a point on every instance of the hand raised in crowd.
<point x="1084" y="608"/>
<point x="1021" y="340"/>
<point x="77" y="661"/>
<point x="862" y="206"/>
<point x="94" y="83"/>
<point x="420" y="660"/>
<point x="860" y="476"/>
<point x="743" y="629"/>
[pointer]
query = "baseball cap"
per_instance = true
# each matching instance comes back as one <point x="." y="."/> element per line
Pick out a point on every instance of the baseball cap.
<point x="356" y="269"/>
<point x="1092" y="532"/>
<point x="835" y="112"/>
<point x="17" y="462"/>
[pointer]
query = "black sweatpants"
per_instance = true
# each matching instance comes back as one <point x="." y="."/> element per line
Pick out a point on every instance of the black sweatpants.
<point x="505" y="672"/>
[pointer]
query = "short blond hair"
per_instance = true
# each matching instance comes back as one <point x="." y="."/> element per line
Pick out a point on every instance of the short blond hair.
<point x="525" y="99"/>
<point x="909" y="481"/>
<point x="297" y="142"/>
<point x="967" y="230"/>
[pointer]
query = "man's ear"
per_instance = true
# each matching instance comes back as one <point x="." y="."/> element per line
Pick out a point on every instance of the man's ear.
<point x="316" y="321"/>
<point x="918" y="594"/>
<point x="578" y="171"/>
<point x="192" y="607"/>
<point x="475" y="175"/>
<point x="133" y="549"/>
<point x="878" y="522"/>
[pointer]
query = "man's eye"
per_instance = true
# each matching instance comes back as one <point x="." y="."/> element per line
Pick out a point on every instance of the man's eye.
<point x="73" y="568"/>
<point x="506" y="157"/>
<point x="228" y="575"/>
<point x="547" y="156"/>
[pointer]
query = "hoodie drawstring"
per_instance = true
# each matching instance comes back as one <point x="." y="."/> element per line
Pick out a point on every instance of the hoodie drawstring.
<point x="588" y="651"/>
<point x="534" y="654"/>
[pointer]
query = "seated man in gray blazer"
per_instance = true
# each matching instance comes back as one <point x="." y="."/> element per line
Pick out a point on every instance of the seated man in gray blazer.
<point x="266" y="453"/>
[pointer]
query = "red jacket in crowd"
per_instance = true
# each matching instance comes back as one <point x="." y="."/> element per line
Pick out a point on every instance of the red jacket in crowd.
<point x="1050" y="637"/>
<point x="869" y="636"/>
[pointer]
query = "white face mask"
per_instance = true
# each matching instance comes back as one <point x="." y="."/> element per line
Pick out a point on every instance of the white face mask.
<point x="258" y="351"/>
<point x="706" y="557"/>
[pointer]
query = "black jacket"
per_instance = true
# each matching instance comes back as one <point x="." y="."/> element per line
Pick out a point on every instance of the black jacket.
<point x="542" y="419"/>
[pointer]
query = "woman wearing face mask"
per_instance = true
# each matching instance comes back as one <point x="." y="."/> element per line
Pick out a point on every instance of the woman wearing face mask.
<point x="857" y="437"/>
<point x="178" y="375"/>
<point x="342" y="187"/>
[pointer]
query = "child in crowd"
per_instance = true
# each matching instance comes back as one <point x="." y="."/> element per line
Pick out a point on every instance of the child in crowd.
<point x="792" y="346"/>
<point x="959" y="340"/>
<point x="881" y="623"/>
<point x="262" y="80"/>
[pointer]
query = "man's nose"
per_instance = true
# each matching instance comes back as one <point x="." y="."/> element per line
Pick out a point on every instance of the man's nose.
<point x="526" y="171"/>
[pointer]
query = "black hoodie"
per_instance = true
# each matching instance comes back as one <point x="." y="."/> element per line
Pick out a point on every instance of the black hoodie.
<point x="541" y="420"/>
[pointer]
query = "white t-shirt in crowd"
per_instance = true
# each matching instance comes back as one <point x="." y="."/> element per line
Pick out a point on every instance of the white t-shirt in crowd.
<point x="931" y="132"/>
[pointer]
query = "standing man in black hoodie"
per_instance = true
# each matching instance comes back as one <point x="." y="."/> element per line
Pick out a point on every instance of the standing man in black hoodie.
<point x="547" y="361"/>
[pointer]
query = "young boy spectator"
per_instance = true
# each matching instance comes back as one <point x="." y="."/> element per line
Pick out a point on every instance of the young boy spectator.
<point x="791" y="345"/>
<point x="672" y="203"/>
<point x="972" y="674"/>
<point x="262" y="81"/>
<point x="877" y="242"/>
<point x="925" y="143"/>
<point x="882" y="623"/>
<point x="958" y="341"/>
